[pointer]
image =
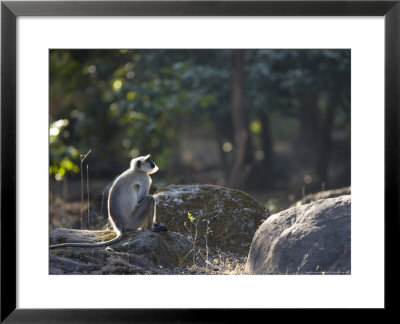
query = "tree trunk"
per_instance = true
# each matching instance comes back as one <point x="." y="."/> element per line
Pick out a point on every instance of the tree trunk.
<point x="222" y="133"/>
<point x="326" y="140"/>
<point x="240" y="127"/>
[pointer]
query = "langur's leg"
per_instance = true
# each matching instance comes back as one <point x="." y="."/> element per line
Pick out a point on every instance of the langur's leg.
<point x="143" y="215"/>
<point x="157" y="227"/>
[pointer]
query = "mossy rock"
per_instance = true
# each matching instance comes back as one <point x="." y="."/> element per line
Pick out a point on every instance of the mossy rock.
<point x="139" y="252"/>
<point x="232" y="216"/>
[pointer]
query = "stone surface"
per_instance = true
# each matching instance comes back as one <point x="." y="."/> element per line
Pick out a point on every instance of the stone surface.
<point x="140" y="251"/>
<point x="323" y="195"/>
<point x="226" y="219"/>
<point x="309" y="239"/>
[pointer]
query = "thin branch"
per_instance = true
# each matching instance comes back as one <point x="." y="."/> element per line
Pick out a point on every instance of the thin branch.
<point x="83" y="157"/>
<point x="87" y="182"/>
<point x="102" y="200"/>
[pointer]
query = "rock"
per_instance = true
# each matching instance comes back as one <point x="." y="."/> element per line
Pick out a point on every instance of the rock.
<point x="232" y="216"/>
<point x="61" y="265"/>
<point x="138" y="252"/>
<point x="312" y="238"/>
<point x="324" y="195"/>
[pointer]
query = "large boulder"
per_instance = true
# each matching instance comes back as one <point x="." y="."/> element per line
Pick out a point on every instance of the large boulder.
<point x="309" y="239"/>
<point x="323" y="195"/>
<point x="226" y="218"/>
<point x="141" y="251"/>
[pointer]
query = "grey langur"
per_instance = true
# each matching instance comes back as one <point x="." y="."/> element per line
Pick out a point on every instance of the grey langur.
<point x="130" y="206"/>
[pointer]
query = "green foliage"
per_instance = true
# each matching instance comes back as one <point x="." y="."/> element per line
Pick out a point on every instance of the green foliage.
<point x="125" y="103"/>
<point x="128" y="103"/>
<point x="277" y="79"/>
<point x="61" y="156"/>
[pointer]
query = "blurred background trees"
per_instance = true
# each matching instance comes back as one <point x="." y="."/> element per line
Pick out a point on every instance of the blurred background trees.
<point x="263" y="121"/>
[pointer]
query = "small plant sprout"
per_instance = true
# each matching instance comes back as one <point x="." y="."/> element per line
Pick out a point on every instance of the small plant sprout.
<point x="192" y="236"/>
<point x="191" y="218"/>
<point x="191" y="226"/>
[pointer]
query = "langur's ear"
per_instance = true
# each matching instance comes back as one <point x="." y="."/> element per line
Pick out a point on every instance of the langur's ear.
<point x="138" y="164"/>
<point x="147" y="157"/>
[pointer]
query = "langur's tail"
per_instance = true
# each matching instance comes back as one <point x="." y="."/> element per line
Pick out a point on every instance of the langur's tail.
<point x="99" y="244"/>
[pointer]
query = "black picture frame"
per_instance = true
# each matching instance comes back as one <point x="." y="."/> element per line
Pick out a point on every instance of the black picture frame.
<point x="9" y="13"/>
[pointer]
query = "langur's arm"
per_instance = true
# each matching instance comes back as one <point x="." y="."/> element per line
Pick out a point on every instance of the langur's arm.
<point x="142" y="193"/>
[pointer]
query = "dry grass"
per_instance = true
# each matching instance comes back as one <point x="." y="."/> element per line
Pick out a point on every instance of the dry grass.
<point x="219" y="263"/>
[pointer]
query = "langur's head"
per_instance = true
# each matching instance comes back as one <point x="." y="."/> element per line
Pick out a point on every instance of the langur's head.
<point x="144" y="164"/>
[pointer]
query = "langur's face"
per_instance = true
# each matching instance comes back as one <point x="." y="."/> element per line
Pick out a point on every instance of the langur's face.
<point x="145" y="164"/>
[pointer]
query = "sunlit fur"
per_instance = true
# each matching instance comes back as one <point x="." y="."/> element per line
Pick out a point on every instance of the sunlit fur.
<point x="145" y="164"/>
<point x="127" y="192"/>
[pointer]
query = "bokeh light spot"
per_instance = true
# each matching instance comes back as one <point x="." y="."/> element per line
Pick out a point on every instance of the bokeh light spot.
<point x="227" y="147"/>
<point x="117" y="85"/>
